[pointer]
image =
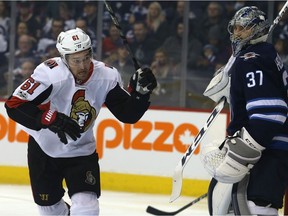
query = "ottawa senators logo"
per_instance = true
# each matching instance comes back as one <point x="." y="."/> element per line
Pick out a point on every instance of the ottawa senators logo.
<point x="82" y="111"/>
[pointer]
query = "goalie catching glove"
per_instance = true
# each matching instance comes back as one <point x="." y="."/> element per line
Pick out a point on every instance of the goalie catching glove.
<point x="142" y="81"/>
<point x="60" y="124"/>
<point x="230" y="161"/>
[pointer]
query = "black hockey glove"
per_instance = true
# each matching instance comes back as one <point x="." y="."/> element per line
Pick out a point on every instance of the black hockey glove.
<point x="142" y="81"/>
<point x="60" y="124"/>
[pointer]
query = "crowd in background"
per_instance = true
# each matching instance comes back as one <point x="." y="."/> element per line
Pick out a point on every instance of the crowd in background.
<point x="154" y="30"/>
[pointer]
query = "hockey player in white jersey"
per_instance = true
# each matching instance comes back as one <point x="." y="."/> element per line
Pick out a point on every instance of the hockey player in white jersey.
<point x="249" y="168"/>
<point x="58" y="106"/>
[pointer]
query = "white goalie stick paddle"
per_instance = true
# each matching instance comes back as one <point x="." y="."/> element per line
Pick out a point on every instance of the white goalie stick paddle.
<point x="155" y="211"/>
<point x="177" y="176"/>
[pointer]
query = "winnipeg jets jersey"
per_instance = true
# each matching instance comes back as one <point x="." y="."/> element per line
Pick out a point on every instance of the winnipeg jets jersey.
<point x="52" y="86"/>
<point x="258" y="93"/>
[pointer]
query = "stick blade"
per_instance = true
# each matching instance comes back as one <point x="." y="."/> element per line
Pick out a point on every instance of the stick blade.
<point x="154" y="211"/>
<point x="177" y="183"/>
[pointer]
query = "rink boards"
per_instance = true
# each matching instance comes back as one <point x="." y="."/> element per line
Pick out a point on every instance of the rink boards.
<point x="135" y="158"/>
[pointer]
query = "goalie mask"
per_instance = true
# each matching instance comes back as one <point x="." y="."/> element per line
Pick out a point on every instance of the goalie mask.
<point x="72" y="41"/>
<point x="252" y="21"/>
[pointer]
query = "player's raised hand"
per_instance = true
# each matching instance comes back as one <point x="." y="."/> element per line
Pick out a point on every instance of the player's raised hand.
<point x="60" y="124"/>
<point x="142" y="81"/>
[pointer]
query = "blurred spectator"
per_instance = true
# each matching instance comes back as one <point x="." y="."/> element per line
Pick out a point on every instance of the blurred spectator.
<point x="3" y="59"/>
<point x="111" y="58"/>
<point x="137" y="13"/>
<point x="51" y="36"/>
<point x="124" y="65"/>
<point x="229" y="9"/>
<point x="173" y="47"/>
<point x="3" y="41"/>
<point x="161" y="66"/>
<point x="209" y="59"/>
<point x="82" y="24"/>
<point x="24" y="53"/>
<point x="156" y="22"/>
<point x="179" y="16"/>
<point x="4" y="18"/>
<point x="4" y="32"/>
<point x="142" y="45"/>
<point x="214" y="17"/>
<point x="239" y="4"/>
<point x="66" y="14"/>
<point x="167" y="90"/>
<point x="111" y="42"/>
<point x="22" y="28"/>
<point x="26" y="15"/>
<point x="223" y="47"/>
<point x="21" y="73"/>
<point x="25" y="50"/>
<point x="50" y="52"/>
<point x="90" y="14"/>
<point x="281" y="46"/>
<point x="139" y="10"/>
<point x="139" y="7"/>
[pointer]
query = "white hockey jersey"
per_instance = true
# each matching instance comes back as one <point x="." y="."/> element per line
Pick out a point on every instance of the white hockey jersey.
<point x="81" y="102"/>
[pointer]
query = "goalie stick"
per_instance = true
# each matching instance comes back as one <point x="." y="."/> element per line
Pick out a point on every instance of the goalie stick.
<point x="155" y="211"/>
<point x="177" y="176"/>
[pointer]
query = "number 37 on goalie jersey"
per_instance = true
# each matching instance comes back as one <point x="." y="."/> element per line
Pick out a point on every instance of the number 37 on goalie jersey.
<point x="256" y="78"/>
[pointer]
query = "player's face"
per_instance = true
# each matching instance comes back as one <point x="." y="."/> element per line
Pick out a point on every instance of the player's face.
<point x="79" y="64"/>
<point x="241" y="32"/>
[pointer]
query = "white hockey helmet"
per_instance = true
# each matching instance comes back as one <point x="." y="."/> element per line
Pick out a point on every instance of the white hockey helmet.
<point x="249" y="17"/>
<point x="72" y="41"/>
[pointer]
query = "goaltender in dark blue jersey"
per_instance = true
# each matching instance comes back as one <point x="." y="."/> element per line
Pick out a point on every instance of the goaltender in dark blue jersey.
<point x="249" y="168"/>
<point x="258" y="96"/>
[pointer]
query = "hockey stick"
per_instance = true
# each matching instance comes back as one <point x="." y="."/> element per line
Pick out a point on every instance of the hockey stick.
<point x="124" y="39"/>
<point x="177" y="176"/>
<point x="155" y="211"/>
<point x="279" y="17"/>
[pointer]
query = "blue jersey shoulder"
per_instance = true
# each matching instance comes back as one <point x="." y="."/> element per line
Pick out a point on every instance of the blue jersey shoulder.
<point x="258" y="52"/>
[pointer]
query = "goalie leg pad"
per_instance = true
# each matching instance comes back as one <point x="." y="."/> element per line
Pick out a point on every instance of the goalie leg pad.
<point x="84" y="203"/>
<point x="59" y="208"/>
<point x="219" y="197"/>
